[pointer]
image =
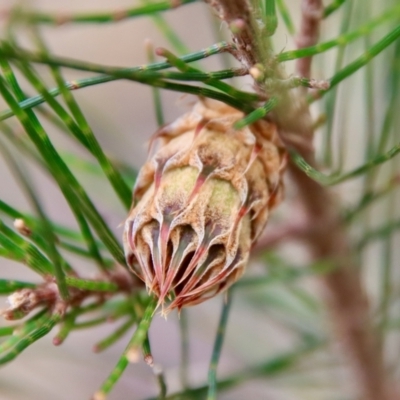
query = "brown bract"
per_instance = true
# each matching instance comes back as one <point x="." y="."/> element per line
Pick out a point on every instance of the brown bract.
<point x="200" y="202"/>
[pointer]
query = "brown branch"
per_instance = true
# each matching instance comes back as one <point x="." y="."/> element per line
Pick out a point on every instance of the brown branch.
<point x="278" y="235"/>
<point x="297" y="228"/>
<point x="237" y="15"/>
<point x="346" y="296"/>
<point x="328" y="238"/>
<point x="312" y="12"/>
<point x="344" y="292"/>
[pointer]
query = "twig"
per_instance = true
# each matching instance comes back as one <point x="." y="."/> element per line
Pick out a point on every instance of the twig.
<point x="212" y="371"/>
<point x="237" y="15"/>
<point x="346" y="298"/>
<point x="100" y="17"/>
<point x="312" y="13"/>
<point x="293" y="230"/>
<point x="24" y="300"/>
<point x="345" y="295"/>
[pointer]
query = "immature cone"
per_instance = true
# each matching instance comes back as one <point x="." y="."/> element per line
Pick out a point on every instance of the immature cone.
<point x="201" y="201"/>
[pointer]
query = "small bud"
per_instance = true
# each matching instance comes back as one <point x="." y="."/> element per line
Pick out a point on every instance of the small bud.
<point x="57" y="341"/>
<point x="133" y="355"/>
<point x="257" y="72"/>
<point x="21" y="227"/>
<point x="99" y="396"/>
<point x="237" y="25"/>
<point x="148" y="359"/>
<point x="201" y="201"/>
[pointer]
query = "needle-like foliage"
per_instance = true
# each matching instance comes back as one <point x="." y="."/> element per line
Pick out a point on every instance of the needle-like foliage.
<point x="342" y="158"/>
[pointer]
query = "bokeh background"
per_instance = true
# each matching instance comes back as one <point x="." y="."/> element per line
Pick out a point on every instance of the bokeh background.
<point x="121" y="114"/>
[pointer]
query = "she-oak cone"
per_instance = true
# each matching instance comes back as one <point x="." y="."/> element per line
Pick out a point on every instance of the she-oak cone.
<point x="200" y="203"/>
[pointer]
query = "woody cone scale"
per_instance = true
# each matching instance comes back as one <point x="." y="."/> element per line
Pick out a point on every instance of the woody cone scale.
<point x="200" y="203"/>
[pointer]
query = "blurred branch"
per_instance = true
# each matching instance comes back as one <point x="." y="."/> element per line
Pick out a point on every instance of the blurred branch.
<point x="102" y="17"/>
<point x="312" y="12"/>
<point x="327" y="237"/>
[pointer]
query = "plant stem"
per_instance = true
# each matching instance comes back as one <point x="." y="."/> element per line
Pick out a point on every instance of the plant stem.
<point x="103" y="17"/>
<point x="212" y="372"/>
<point x="329" y="9"/>
<point x="130" y="352"/>
<point x="344" y="38"/>
<point x="287" y="19"/>
<point x="86" y="82"/>
<point x="309" y="32"/>
<point x="328" y="238"/>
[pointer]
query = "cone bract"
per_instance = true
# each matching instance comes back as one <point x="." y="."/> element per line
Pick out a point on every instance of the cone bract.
<point x="200" y="202"/>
